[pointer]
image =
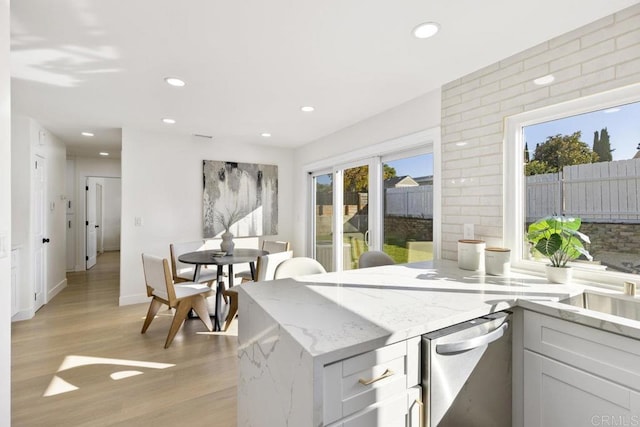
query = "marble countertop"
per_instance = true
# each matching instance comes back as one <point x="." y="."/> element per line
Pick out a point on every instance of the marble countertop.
<point x="337" y="315"/>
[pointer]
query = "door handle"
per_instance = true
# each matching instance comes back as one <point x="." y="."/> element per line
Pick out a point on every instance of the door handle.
<point x="97" y="226"/>
<point x="458" y="346"/>
<point x="45" y="240"/>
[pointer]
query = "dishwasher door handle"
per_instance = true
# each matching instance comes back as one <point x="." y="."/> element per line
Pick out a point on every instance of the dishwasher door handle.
<point x="458" y="346"/>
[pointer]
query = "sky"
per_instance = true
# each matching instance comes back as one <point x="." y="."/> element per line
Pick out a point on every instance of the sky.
<point x="622" y="123"/>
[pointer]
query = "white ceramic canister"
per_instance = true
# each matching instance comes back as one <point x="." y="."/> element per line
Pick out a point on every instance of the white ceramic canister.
<point x="497" y="261"/>
<point x="471" y="254"/>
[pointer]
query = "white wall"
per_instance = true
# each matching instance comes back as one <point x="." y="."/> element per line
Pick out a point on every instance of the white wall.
<point x="111" y="206"/>
<point x="162" y="184"/>
<point x="413" y="116"/>
<point x="27" y="142"/>
<point x="84" y="167"/>
<point x="5" y="217"/>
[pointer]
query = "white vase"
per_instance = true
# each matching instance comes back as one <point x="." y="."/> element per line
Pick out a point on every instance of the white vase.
<point x="559" y="274"/>
<point x="227" y="244"/>
<point x="471" y="254"/>
<point x="497" y="261"/>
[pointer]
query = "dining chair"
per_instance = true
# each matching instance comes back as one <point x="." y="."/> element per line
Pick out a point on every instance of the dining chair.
<point x="299" y="266"/>
<point x="271" y="246"/>
<point x="265" y="270"/>
<point x="182" y="297"/>
<point x="374" y="259"/>
<point x="182" y="272"/>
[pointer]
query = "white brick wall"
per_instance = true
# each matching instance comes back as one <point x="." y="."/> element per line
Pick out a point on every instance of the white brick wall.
<point x="595" y="58"/>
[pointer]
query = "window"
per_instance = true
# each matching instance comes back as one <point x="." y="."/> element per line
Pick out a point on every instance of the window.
<point x="349" y="207"/>
<point x="579" y="159"/>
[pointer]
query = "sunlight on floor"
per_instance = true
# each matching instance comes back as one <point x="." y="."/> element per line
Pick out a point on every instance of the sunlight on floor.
<point x="59" y="385"/>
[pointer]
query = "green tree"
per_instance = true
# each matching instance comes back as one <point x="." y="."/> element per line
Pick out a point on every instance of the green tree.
<point x="536" y="167"/>
<point x="602" y="145"/>
<point x="563" y="150"/>
<point x="357" y="179"/>
<point x="526" y="153"/>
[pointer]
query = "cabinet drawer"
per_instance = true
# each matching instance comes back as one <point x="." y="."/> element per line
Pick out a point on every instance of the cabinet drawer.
<point x="601" y="353"/>
<point x="386" y="372"/>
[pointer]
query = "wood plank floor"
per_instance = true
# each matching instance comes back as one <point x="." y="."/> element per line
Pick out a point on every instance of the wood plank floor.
<point x="85" y="320"/>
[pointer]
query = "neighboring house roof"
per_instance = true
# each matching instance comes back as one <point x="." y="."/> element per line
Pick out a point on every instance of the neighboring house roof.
<point x="637" y="156"/>
<point x="400" y="181"/>
<point x="424" y="180"/>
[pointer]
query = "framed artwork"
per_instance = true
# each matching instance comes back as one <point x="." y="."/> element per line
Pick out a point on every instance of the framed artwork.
<point x="241" y="198"/>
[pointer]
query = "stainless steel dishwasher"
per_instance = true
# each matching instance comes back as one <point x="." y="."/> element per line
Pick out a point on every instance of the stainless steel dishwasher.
<point x="466" y="373"/>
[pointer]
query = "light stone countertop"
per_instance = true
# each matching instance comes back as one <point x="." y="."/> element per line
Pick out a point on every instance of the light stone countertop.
<point x="337" y="315"/>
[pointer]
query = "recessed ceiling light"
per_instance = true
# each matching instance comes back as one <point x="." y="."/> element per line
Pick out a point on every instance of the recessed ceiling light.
<point x="174" y="81"/>
<point x="612" y="110"/>
<point x="87" y="134"/>
<point x="168" y="121"/>
<point x="265" y="135"/>
<point x="102" y="153"/>
<point x="544" y="80"/>
<point x="307" y="109"/>
<point x="461" y="143"/>
<point x="426" y="30"/>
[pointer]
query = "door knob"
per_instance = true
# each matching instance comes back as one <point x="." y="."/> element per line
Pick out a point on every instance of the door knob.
<point x="97" y="226"/>
<point x="45" y="240"/>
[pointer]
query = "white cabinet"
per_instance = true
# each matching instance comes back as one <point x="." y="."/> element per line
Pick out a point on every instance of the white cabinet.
<point x="377" y="388"/>
<point x="15" y="270"/>
<point x="577" y="375"/>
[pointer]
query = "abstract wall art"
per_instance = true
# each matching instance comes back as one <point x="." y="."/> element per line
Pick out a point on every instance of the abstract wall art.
<point x="239" y="197"/>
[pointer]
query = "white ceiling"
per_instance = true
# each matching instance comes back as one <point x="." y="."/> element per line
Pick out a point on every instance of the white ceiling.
<point x="98" y="66"/>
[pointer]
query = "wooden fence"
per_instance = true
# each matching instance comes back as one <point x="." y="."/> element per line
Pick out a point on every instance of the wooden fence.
<point x="596" y="192"/>
<point x="412" y="202"/>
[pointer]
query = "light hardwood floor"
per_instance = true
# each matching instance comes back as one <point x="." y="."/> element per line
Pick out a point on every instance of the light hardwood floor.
<point x="85" y="320"/>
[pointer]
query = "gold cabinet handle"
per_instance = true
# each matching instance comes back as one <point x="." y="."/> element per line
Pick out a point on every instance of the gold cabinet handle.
<point x="385" y="374"/>
<point x="421" y="408"/>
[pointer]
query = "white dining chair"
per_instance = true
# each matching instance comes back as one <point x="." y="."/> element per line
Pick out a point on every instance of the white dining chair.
<point x="182" y="297"/>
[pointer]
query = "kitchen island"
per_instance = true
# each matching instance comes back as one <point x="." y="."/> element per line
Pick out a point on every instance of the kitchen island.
<point x="292" y="332"/>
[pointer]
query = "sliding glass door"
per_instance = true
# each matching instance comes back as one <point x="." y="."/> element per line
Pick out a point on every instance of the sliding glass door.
<point x="374" y="204"/>
<point x="408" y="207"/>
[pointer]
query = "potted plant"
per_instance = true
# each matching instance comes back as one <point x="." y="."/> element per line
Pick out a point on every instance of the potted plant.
<point x="558" y="238"/>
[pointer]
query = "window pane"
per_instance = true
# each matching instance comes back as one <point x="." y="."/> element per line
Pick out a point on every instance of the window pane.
<point x="323" y="220"/>
<point x="588" y="166"/>
<point x="355" y="215"/>
<point x="408" y="208"/>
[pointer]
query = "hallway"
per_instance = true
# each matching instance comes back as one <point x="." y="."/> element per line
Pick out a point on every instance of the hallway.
<point x="193" y="382"/>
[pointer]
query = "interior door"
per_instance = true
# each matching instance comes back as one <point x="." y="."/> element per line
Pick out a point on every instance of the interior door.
<point x="91" y="244"/>
<point x="99" y="227"/>
<point x="39" y="231"/>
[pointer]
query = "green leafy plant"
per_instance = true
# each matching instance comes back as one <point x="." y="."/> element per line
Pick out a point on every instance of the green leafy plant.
<point x="558" y="238"/>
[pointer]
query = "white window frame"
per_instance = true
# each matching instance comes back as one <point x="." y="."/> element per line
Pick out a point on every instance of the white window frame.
<point x="514" y="178"/>
<point x="427" y="141"/>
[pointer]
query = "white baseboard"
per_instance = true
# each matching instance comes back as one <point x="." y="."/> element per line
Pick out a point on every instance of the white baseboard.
<point x="111" y="248"/>
<point x="23" y="315"/>
<point x="133" y="299"/>
<point x="56" y="289"/>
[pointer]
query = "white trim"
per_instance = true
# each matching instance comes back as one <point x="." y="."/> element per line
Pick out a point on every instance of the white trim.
<point x="403" y="143"/>
<point x="514" y="181"/>
<point x="133" y="299"/>
<point x="56" y="289"/>
<point x="23" y="315"/>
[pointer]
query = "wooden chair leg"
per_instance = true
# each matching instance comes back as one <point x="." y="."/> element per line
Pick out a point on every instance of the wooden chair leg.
<point x="178" y="319"/>
<point x="151" y="314"/>
<point x="233" y="308"/>
<point x="199" y="304"/>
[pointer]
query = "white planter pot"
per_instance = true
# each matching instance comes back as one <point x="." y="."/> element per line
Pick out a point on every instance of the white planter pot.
<point x="471" y="254"/>
<point x="559" y="274"/>
<point x="497" y="261"/>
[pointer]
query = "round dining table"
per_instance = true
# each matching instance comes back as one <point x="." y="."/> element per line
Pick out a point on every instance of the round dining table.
<point x="212" y="257"/>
